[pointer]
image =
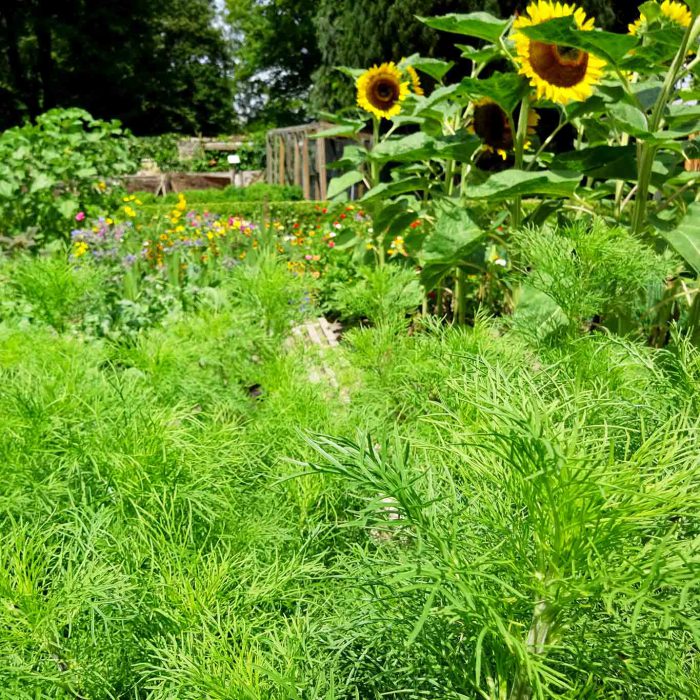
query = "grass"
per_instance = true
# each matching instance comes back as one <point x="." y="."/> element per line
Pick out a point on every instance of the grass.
<point x="489" y="515"/>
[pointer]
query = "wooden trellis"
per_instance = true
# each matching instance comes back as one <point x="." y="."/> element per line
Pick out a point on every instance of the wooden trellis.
<point x="294" y="157"/>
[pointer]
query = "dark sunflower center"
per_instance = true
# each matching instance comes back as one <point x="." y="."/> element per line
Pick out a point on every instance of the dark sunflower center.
<point x="562" y="66"/>
<point x="491" y="125"/>
<point x="384" y="92"/>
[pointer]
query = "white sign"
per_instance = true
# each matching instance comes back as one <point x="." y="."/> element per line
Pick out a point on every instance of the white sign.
<point x="234" y="160"/>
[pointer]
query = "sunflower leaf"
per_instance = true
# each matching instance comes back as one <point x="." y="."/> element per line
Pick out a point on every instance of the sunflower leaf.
<point x="454" y="238"/>
<point x="506" y="89"/>
<point x="685" y="238"/>
<point x="516" y="183"/>
<point x="338" y="185"/>
<point x="460" y="146"/>
<point x="433" y="67"/>
<point x="630" y="119"/>
<point x="389" y="189"/>
<point x="651" y="10"/>
<point x="608" y="162"/>
<point x="417" y="146"/>
<point x="485" y="55"/>
<point x="351" y="129"/>
<point x="481" y="25"/>
<point x="562" y="31"/>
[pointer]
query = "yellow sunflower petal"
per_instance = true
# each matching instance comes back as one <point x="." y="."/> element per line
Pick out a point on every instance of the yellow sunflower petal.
<point x="557" y="73"/>
<point x="676" y="12"/>
<point x="381" y="90"/>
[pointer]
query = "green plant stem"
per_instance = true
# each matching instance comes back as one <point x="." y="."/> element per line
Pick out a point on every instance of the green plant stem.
<point x="694" y="319"/>
<point x="542" y="621"/>
<point x="647" y="151"/>
<point x="460" y="298"/>
<point x="546" y="143"/>
<point x="520" y="139"/>
<point x="620" y="185"/>
<point x="375" y="173"/>
<point x="449" y="177"/>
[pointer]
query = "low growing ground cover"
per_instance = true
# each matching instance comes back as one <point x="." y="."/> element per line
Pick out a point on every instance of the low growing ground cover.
<point x="472" y="512"/>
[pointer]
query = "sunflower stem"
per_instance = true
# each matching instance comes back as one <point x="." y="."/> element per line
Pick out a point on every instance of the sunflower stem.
<point x="459" y="314"/>
<point x="375" y="172"/>
<point x="647" y="151"/>
<point x="520" y="139"/>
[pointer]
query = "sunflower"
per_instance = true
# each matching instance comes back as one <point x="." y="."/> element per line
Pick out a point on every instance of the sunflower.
<point x="381" y="90"/>
<point x="416" y="88"/>
<point x="674" y="11"/>
<point x="491" y="124"/>
<point x="559" y="73"/>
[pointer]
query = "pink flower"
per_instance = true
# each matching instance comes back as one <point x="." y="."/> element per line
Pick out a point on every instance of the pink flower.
<point x="80" y="216"/>
<point x="309" y="257"/>
<point x="331" y="244"/>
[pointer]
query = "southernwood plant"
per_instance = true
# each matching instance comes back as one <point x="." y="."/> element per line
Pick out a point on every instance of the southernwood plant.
<point x="515" y="518"/>
<point x="556" y="119"/>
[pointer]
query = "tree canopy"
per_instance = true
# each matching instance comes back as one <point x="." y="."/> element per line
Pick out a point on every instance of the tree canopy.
<point x="158" y="66"/>
<point x="182" y="65"/>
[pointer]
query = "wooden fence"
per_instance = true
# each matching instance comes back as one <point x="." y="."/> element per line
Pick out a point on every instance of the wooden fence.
<point x="294" y="157"/>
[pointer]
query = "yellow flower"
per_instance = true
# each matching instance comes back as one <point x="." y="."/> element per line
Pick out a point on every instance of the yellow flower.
<point x="560" y="74"/>
<point x="491" y="124"/>
<point x="181" y="203"/>
<point x="129" y="211"/>
<point x="81" y="247"/>
<point x="381" y="90"/>
<point x="415" y="81"/>
<point x="109" y="221"/>
<point x="674" y="11"/>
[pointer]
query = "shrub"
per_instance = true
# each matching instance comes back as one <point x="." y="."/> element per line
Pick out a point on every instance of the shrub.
<point x="56" y="167"/>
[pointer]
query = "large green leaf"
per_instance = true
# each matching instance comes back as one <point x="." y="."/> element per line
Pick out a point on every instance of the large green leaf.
<point x="390" y="189"/>
<point x="630" y="120"/>
<point x="338" y="185"/>
<point x="348" y="130"/>
<point x="608" y="162"/>
<point x="352" y="158"/>
<point x="562" y="31"/>
<point x="454" y="235"/>
<point x="6" y="189"/>
<point x="454" y="238"/>
<point x="481" y="25"/>
<point x="416" y="146"/>
<point x="515" y="183"/>
<point x="506" y="89"/>
<point x="41" y="182"/>
<point x="442" y="94"/>
<point x="485" y="55"/>
<point x="433" y="67"/>
<point x="460" y="146"/>
<point x="67" y="207"/>
<point x="685" y="238"/>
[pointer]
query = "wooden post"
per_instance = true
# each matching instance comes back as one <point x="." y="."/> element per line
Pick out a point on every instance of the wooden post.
<point x="282" y="175"/>
<point x="268" y="166"/>
<point x="306" y="175"/>
<point x="321" y="167"/>
<point x="297" y="162"/>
